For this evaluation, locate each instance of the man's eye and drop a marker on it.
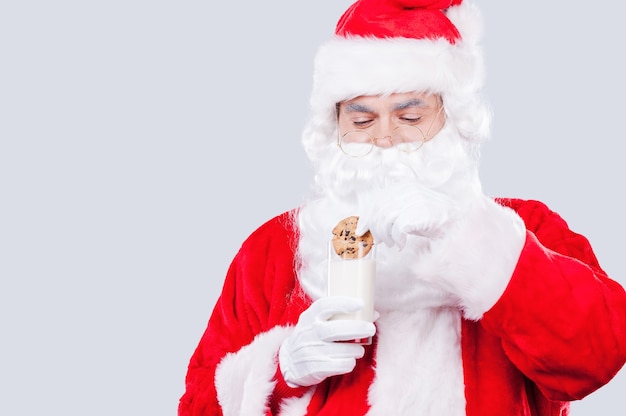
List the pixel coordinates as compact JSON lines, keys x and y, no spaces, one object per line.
{"x":411,"y":120}
{"x":361,"y":123}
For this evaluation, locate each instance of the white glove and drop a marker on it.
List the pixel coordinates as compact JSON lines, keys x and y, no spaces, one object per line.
{"x":476,"y":258}
{"x":310,"y":355}
{"x":403,"y":209}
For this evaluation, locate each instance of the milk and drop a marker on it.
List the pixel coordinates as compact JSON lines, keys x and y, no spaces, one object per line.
{"x":354,"y":278}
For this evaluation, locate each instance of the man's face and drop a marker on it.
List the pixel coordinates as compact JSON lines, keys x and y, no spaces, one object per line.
{"x":379,"y":116}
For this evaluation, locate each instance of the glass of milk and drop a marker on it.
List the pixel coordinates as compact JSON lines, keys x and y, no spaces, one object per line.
{"x":353,"y":277}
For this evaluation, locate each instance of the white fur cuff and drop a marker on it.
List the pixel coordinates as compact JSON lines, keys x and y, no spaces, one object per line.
{"x":244,"y":379}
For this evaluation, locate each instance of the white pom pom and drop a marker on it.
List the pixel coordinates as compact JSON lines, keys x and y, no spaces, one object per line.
{"x":468,"y":20}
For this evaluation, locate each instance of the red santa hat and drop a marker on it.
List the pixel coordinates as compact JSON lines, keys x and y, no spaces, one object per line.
{"x":387,"y":46}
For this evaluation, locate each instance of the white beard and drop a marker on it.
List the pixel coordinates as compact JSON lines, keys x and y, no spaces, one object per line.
{"x":344,"y":185}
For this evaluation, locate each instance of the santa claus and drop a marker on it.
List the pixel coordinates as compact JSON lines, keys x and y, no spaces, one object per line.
{"x":483,"y":306}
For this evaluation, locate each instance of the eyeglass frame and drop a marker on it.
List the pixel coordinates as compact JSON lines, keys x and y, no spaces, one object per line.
{"x":373,"y":140}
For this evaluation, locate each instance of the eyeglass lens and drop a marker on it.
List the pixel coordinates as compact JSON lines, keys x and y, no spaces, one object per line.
{"x":359,"y":143}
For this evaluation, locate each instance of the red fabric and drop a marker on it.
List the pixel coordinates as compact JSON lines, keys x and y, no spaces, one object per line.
{"x":417,"y":19}
{"x":556,"y":334}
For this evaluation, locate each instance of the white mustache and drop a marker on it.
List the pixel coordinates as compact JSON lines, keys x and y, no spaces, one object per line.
{"x":432,"y":166}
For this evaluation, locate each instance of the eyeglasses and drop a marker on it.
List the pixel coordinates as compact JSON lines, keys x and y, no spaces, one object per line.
{"x":359,"y":143}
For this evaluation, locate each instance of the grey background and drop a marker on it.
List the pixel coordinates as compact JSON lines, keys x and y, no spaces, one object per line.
{"x":142,"y":141}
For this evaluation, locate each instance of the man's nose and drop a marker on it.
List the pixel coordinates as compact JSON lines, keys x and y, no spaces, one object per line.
{"x":382,"y":135}
{"x":384,"y":141}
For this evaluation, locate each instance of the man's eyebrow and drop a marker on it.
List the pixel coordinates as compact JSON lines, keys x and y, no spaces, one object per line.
{"x":416,"y":102}
{"x":361,"y":108}
{"x":358,"y":108}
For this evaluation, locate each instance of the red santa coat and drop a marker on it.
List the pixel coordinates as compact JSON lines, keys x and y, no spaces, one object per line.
{"x":557,"y":333}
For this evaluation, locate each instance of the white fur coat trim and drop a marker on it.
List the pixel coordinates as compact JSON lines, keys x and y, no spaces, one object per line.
{"x":419,"y":369}
{"x":244,"y":379}
{"x":296,"y":406}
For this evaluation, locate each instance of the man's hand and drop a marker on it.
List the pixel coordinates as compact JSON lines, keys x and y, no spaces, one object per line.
{"x":403,"y":209}
{"x":310,"y":354}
